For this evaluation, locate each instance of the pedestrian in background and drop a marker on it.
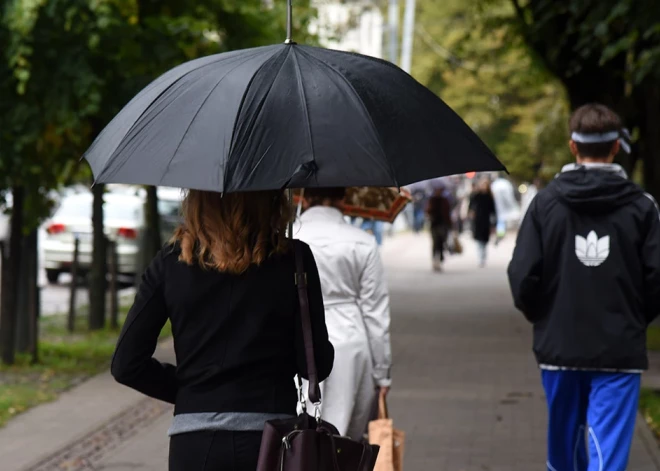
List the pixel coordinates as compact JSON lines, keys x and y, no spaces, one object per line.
{"x":439,"y":213}
{"x":586,"y":273}
{"x":375,"y":228}
{"x":357,"y":310}
{"x":482,"y":214}
{"x":420,"y":194}
{"x":226,"y":285}
{"x":528,"y":196}
{"x":506,"y":206}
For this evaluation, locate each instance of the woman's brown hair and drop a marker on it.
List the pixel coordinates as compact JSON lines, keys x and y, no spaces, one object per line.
{"x":230,"y":232}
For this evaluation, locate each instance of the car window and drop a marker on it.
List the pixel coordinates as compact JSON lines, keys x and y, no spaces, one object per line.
{"x":75,"y":208}
{"x":113,"y":208}
{"x":123,"y":209}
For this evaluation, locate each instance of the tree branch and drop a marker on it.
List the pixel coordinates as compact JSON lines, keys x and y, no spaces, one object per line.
{"x":520,"y":11}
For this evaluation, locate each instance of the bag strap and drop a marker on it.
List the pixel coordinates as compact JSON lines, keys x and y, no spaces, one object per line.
{"x":314,"y":391}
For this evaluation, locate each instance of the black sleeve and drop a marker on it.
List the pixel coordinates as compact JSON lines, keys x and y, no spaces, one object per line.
{"x":324,"y":352}
{"x":132,"y":362}
{"x":651,"y":264}
{"x":526,"y":266}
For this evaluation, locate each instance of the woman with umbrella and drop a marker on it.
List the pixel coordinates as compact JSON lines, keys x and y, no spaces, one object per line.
{"x":243,"y":126}
{"x":357,"y":308}
{"x":225,"y":283}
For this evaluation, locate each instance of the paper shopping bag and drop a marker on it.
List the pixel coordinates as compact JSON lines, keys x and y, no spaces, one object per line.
{"x":390,"y":440}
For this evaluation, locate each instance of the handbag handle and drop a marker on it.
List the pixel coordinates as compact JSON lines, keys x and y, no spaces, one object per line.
{"x":314,"y":391}
{"x":382,"y":407}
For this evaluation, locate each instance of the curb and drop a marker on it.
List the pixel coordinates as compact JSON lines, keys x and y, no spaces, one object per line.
{"x":649,"y":440}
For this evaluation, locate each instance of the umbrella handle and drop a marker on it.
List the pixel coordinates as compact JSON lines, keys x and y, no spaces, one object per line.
{"x":289,"y":22}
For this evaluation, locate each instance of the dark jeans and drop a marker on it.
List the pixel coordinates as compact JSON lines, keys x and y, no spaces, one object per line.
{"x":217,"y":451}
{"x":439,"y":235}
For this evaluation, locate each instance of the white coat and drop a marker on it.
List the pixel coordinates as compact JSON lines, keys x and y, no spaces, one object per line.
{"x":357,"y":310}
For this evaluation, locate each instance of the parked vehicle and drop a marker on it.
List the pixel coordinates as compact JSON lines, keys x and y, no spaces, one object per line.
{"x":169,"y":208}
{"x":123,"y":220}
{"x":169,"y":205}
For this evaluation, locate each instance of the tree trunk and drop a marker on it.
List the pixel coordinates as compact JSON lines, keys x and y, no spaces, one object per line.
{"x":153,"y":223}
{"x":34,"y":302}
{"x":97,"y":276}
{"x":150,"y":241}
{"x":27,"y":279}
{"x":650,"y":139}
{"x":10,"y":275}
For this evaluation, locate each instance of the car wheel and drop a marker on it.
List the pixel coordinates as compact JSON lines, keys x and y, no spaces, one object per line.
{"x":53,"y":276}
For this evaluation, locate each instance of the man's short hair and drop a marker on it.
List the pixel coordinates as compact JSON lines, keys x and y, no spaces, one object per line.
{"x":595,"y":118}
{"x":317,"y":196}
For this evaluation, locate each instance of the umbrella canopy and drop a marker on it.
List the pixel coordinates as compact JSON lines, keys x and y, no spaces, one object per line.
{"x":285,"y":116}
{"x":380,"y":204}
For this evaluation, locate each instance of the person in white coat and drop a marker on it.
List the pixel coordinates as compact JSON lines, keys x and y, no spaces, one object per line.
{"x":357,"y":309}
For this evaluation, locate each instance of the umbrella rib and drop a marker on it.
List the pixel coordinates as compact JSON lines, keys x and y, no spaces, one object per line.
{"x":121,"y":145}
{"x":197,"y":114}
{"x":132,"y":128}
{"x":259,"y":109}
{"x":301,"y":90}
{"x":470,"y":136}
{"x":366,"y":112}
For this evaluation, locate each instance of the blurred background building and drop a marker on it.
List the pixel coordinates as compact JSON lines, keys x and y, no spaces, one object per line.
{"x":355,"y":26}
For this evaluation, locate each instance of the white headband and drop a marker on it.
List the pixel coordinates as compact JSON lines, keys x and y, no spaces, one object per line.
{"x":597,"y":138}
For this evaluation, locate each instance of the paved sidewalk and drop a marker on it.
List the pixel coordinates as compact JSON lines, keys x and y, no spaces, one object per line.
{"x":466,"y":389}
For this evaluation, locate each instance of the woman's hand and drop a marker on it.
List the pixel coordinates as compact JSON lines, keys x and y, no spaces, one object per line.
{"x":384,"y":390}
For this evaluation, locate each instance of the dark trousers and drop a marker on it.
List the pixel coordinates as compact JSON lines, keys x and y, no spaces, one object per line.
{"x":439,"y":235}
{"x":217,"y":451}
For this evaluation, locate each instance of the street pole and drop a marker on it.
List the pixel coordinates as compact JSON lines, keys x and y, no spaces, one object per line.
{"x":408,"y":36}
{"x":393,"y":28}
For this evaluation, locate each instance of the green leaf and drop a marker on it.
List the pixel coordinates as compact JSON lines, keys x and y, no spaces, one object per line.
{"x":622,"y":45}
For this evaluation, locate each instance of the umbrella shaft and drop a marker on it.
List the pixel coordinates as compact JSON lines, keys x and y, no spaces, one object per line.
{"x":289,"y":21}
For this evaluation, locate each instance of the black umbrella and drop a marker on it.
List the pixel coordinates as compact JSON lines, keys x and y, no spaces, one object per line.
{"x":285,"y":116}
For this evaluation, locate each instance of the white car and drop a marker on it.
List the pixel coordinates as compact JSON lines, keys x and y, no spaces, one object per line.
{"x":124,"y":223}
{"x":169,"y":209}
{"x":169,"y":205}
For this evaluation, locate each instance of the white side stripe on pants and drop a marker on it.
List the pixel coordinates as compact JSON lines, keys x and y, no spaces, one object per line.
{"x":600,"y":454}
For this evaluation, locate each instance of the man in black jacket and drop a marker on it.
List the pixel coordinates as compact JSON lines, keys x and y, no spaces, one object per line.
{"x":586,"y":274}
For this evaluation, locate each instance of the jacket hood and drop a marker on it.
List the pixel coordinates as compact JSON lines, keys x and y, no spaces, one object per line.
{"x":594,"y":188}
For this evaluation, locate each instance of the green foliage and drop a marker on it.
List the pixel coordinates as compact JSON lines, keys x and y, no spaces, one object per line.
{"x":67,"y":359}
{"x":68,"y":66}
{"x":653,"y":338}
{"x":607,"y":52}
{"x":471,"y":55}
{"x":649,"y":405}
{"x":624,"y":34}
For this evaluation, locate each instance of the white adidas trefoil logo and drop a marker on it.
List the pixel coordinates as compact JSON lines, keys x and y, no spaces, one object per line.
{"x":592,"y":251}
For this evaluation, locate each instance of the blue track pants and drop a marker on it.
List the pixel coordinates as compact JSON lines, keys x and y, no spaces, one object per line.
{"x":591,"y":419}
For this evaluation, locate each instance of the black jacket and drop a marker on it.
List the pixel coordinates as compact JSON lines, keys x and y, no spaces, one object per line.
{"x":238,"y":338}
{"x":586,"y":270}
{"x":483,"y":206}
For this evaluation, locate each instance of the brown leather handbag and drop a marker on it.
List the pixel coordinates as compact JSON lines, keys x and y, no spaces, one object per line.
{"x":307,"y":443}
